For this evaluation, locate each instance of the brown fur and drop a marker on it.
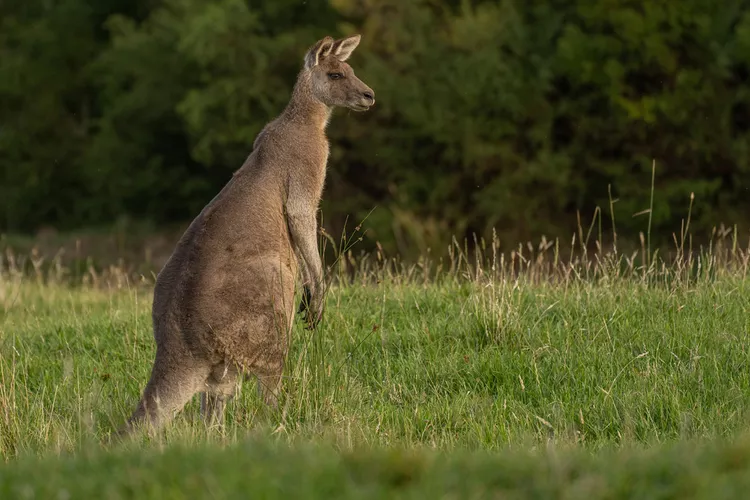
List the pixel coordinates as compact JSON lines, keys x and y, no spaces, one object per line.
{"x":223,"y":303}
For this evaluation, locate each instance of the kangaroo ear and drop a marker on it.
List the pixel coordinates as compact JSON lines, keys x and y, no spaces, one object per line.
{"x":343,"y":48}
{"x":318,"y":51}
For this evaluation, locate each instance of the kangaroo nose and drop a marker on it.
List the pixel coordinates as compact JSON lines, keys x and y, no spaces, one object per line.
{"x":369,"y":96}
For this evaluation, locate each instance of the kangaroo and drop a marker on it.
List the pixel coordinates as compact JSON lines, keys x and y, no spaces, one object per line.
{"x":223,"y":303}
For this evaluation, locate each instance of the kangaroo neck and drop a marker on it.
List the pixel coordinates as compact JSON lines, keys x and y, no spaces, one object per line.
{"x":304,"y":108}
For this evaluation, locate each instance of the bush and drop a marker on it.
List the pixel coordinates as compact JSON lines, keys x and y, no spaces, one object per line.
{"x":505,"y":114}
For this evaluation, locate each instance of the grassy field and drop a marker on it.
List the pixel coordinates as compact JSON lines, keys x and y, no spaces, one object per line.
{"x":260,"y":468}
{"x":594,"y":377}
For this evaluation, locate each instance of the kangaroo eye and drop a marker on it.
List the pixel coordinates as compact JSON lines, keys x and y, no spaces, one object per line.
{"x":335,"y":76}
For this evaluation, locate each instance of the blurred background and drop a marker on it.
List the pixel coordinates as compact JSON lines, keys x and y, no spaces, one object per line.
{"x":121,"y":119}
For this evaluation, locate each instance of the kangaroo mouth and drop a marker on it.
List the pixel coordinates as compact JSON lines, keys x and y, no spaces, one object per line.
{"x":360,"y":107}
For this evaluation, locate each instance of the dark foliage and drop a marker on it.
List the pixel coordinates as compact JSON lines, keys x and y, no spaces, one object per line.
{"x":507,"y":114}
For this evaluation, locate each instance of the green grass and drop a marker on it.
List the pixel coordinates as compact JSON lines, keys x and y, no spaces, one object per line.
{"x":470,"y":365}
{"x":463,"y":374}
{"x":266,"y":469}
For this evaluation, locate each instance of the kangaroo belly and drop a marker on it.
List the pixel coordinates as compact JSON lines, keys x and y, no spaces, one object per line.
{"x":247,"y":317}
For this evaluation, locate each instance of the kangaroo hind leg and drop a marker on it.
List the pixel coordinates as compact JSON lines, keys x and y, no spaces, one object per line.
{"x":170,"y":387}
{"x":220,"y":387}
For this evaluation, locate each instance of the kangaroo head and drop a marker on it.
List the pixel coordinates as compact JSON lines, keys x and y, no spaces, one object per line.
{"x":332,"y":80}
